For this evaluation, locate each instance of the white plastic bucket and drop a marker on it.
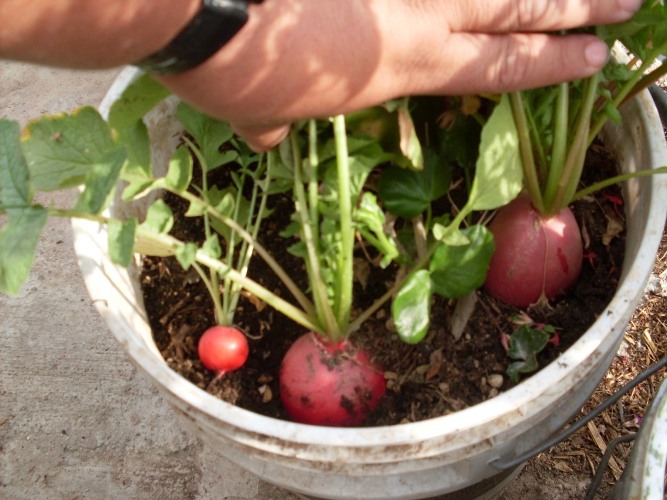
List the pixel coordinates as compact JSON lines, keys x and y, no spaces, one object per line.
{"x":415,"y":460}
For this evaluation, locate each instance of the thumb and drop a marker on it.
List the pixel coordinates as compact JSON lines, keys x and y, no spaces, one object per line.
{"x":262,"y":139}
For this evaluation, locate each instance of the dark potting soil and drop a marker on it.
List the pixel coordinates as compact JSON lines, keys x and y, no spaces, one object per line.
{"x":436,"y":377}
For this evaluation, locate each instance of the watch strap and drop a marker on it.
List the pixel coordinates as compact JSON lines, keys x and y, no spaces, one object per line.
{"x":212,"y":27}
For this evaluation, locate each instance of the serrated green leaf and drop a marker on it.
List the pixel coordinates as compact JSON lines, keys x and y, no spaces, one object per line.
{"x":15,"y":190}
{"x":209,"y":135}
{"x":211,"y":247}
{"x":121,"y":240}
{"x":411,"y":308}
{"x":136,"y":141}
{"x":498,"y":173}
{"x":60,"y":150}
{"x":179,"y":174}
{"x":137,"y":189}
{"x":408,"y":193}
{"x":137,"y":99}
{"x":159,"y":218}
{"x":196,"y":209}
{"x":100,"y":182}
{"x":370,"y":221}
{"x":525,"y":343}
{"x":18,"y":239}
{"x":187,"y":255}
{"x":458,"y":270}
{"x":448,"y":235}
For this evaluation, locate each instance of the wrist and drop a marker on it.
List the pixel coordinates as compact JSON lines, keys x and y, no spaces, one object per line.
{"x":79,"y":34}
{"x":215,"y":24}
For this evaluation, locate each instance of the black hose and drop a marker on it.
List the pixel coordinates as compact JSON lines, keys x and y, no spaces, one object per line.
{"x":608,"y":452}
{"x":564,"y":434}
{"x":660,"y":99}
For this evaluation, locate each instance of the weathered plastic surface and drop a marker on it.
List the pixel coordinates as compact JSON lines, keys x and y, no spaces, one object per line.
{"x":413,"y":460}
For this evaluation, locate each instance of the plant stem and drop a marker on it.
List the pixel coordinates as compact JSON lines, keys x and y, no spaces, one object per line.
{"x":321,"y":297}
{"x":169,"y":242}
{"x":345,"y":272}
{"x":531,"y":178}
{"x":559,"y":149}
{"x":303,"y":301}
{"x":221,"y":308}
{"x":574,"y":164}
{"x":616,"y":180}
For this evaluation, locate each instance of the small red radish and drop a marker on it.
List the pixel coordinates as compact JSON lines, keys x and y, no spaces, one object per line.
{"x":329,"y":384}
{"x":223,"y":349}
{"x":536,"y":257}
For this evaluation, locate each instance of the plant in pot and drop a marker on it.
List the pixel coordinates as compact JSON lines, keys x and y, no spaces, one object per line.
{"x":321,"y":169}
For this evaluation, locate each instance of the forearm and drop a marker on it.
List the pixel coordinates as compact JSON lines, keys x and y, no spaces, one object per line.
{"x":89,"y":33}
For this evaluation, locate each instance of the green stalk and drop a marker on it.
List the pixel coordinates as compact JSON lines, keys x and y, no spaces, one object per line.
{"x":530,"y":175}
{"x":252,"y":227}
{"x":321,"y":297}
{"x":345,"y":272}
{"x":170,"y":243}
{"x":313,"y":184}
{"x":616,"y":180}
{"x":221,"y":310}
{"x":303,"y":301}
{"x":574,"y":163}
{"x":559,"y":150}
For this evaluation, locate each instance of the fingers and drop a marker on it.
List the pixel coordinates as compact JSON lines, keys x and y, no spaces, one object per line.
{"x":503,"y":63}
{"x":262,"y":139}
{"x":533,"y":15}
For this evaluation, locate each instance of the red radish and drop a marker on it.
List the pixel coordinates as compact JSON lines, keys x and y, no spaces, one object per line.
{"x":223,"y":349}
{"x":536,"y":257}
{"x":329,"y":384}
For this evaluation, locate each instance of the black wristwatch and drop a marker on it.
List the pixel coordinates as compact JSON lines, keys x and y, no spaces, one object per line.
{"x":214,"y":25}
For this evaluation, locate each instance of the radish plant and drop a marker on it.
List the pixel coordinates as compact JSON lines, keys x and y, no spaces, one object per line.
{"x":539,"y":248}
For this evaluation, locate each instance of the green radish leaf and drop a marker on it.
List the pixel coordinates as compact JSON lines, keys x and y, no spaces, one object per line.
{"x":458,"y":270}
{"x":126,"y":117}
{"x":138,"y":98}
{"x":498,"y":173}
{"x":370,"y":221}
{"x":411,"y":308}
{"x":121,"y":240}
{"x":159,"y":218}
{"x":15,"y":190}
{"x":60,"y":150}
{"x":525,"y":343}
{"x":209,"y":134}
{"x":211,"y":247}
{"x":18,"y":239}
{"x":408,"y":193}
{"x":100,"y":183}
{"x":179,"y":174}
{"x":137,"y":189}
{"x":136,"y":141}
{"x":186,"y":254}
{"x":196,"y":210}
{"x":449,"y":235}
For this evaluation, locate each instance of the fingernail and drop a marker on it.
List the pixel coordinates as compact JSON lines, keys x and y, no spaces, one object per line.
{"x":630,"y":6}
{"x":596,"y":53}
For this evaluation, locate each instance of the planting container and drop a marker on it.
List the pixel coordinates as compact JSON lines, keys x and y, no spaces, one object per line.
{"x":415,"y":460}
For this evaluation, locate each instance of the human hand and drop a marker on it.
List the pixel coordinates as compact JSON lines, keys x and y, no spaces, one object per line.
{"x":300,"y":59}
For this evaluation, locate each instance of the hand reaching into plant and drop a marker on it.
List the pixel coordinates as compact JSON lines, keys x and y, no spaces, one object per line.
{"x":301,"y":59}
